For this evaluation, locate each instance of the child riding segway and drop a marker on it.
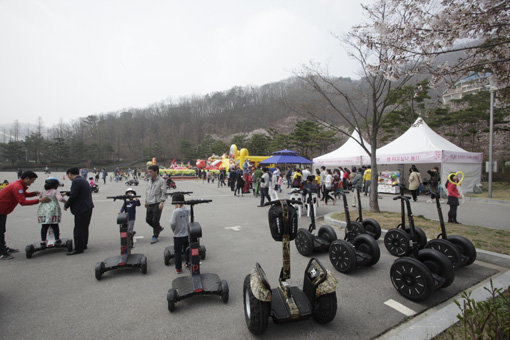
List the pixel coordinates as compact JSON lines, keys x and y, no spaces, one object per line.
{"x":198,"y":283}
{"x":285,"y":303}
{"x":169,"y":252}
{"x":126,"y":259}
{"x":49,"y":215}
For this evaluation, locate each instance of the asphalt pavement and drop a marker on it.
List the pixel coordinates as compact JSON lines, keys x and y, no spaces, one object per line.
{"x":57,"y":296}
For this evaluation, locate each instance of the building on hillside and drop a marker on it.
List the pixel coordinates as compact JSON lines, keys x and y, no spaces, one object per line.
{"x":472,"y":84}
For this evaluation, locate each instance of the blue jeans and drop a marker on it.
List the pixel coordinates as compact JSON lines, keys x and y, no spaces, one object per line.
{"x":264,"y":192}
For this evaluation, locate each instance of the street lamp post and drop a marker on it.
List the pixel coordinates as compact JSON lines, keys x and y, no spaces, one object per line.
{"x":491,"y":123}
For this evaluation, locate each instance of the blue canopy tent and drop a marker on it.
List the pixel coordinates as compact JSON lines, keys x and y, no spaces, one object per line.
{"x":285,"y":157}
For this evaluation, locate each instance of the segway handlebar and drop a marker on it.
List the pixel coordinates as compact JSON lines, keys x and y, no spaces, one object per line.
{"x":278,"y":201}
{"x":401,"y":197}
{"x":122,"y":197}
{"x":178,"y":192}
{"x":67,"y":193}
{"x":192,"y":202}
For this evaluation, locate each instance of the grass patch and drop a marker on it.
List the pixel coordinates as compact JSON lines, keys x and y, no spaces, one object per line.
{"x":494,"y":240}
{"x":500,"y":191}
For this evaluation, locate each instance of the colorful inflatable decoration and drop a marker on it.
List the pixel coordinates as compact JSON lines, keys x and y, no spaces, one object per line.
{"x":460,"y":177}
{"x":238,"y":157}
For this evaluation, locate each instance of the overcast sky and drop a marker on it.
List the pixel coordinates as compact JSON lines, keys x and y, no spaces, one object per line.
{"x":68,"y":59}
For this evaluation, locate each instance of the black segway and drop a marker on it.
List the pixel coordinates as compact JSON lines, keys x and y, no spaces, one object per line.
{"x":126,"y":259}
{"x":51,"y":243}
{"x":132,"y":181}
{"x":306,"y":241}
{"x":398,"y":240}
{"x":357,"y":249}
{"x":169,"y":252}
{"x":197,"y":284}
{"x":285,"y":302}
{"x":371,"y":226}
{"x":416,"y":276}
{"x":457,"y":248}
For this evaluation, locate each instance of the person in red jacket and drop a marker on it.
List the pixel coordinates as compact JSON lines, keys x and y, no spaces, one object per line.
{"x":10,"y":196}
{"x":453,"y":198}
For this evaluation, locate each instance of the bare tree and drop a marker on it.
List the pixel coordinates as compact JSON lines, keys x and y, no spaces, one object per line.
{"x":362,"y":107}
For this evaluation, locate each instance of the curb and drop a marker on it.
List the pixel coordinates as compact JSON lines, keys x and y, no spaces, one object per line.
{"x":439,"y":318}
{"x":486,"y":200}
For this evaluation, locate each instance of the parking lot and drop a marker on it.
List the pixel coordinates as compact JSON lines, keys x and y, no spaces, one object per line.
{"x":57,"y":296}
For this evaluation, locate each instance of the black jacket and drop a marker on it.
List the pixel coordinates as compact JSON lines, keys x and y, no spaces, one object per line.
{"x":80,"y":199}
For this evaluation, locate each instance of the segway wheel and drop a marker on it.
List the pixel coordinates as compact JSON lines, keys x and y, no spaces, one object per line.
{"x":342,"y":255}
{"x":366,"y":244}
{"x":167,"y":255}
{"x":422,"y":237}
{"x":327,"y":233}
{"x":411,"y":278}
{"x":355,"y":230}
{"x":224,"y":291}
{"x":99,"y":270}
{"x":372,"y":228}
{"x":466,"y":249}
{"x":143,"y":265}
{"x":304,"y":242}
{"x":397,"y":242}
{"x":256,"y":312}
{"x":69,"y":245}
{"x":447,"y":248}
{"x":29,"y":251}
{"x":438,"y":264}
{"x":171,"y":298}
{"x":325,"y":307}
{"x":202,"y":251}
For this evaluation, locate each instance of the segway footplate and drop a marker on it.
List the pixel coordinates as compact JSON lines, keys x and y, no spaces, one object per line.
{"x":280,"y":311}
{"x":37,"y":245}
{"x":115,"y":262}
{"x":211,"y":284}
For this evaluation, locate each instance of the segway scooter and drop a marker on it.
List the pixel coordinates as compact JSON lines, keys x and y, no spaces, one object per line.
{"x":131,"y":182}
{"x":357,"y":249}
{"x":169,"y":252}
{"x":51,"y":243}
{"x":371,"y":226}
{"x":457,"y":248}
{"x":306,"y":241}
{"x":126,"y":259}
{"x":416,"y":276}
{"x":397,"y":240}
{"x":285,"y":302}
{"x":197,"y":284}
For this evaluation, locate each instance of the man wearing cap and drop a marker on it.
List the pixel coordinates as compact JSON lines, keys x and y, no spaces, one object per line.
{"x":10,"y":196}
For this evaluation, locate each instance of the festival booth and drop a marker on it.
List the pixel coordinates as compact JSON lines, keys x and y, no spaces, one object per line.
{"x":350,"y":153}
{"x":422,"y":146}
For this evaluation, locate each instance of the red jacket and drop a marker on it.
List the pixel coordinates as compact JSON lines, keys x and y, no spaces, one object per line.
{"x":14,"y":193}
{"x":452,"y":190}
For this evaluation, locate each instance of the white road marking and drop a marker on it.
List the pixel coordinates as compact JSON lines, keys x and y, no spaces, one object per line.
{"x":235,"y":228}
{"x":400,"y":307}
{"x":136,"y":237}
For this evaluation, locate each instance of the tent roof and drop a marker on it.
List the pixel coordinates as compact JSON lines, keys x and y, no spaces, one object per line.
{"x":286,"y":159}
{"x":350,"y":153}
{"x":418,"y":138}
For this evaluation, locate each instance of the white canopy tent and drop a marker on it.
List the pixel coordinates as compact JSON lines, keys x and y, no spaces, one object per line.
{"x":350,"y":153}
{"x":420,"y":144}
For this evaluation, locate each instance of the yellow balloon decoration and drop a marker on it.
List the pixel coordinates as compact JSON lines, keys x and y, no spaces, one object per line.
{"x":460,"y":176}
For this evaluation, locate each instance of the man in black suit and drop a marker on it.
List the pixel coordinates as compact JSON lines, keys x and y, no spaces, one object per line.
{"x":80,"y":202}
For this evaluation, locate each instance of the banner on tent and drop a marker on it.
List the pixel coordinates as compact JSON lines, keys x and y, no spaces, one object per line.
{"x":338,"y":161}
{"x":461,"y":157}
{"x":417,"y":157}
